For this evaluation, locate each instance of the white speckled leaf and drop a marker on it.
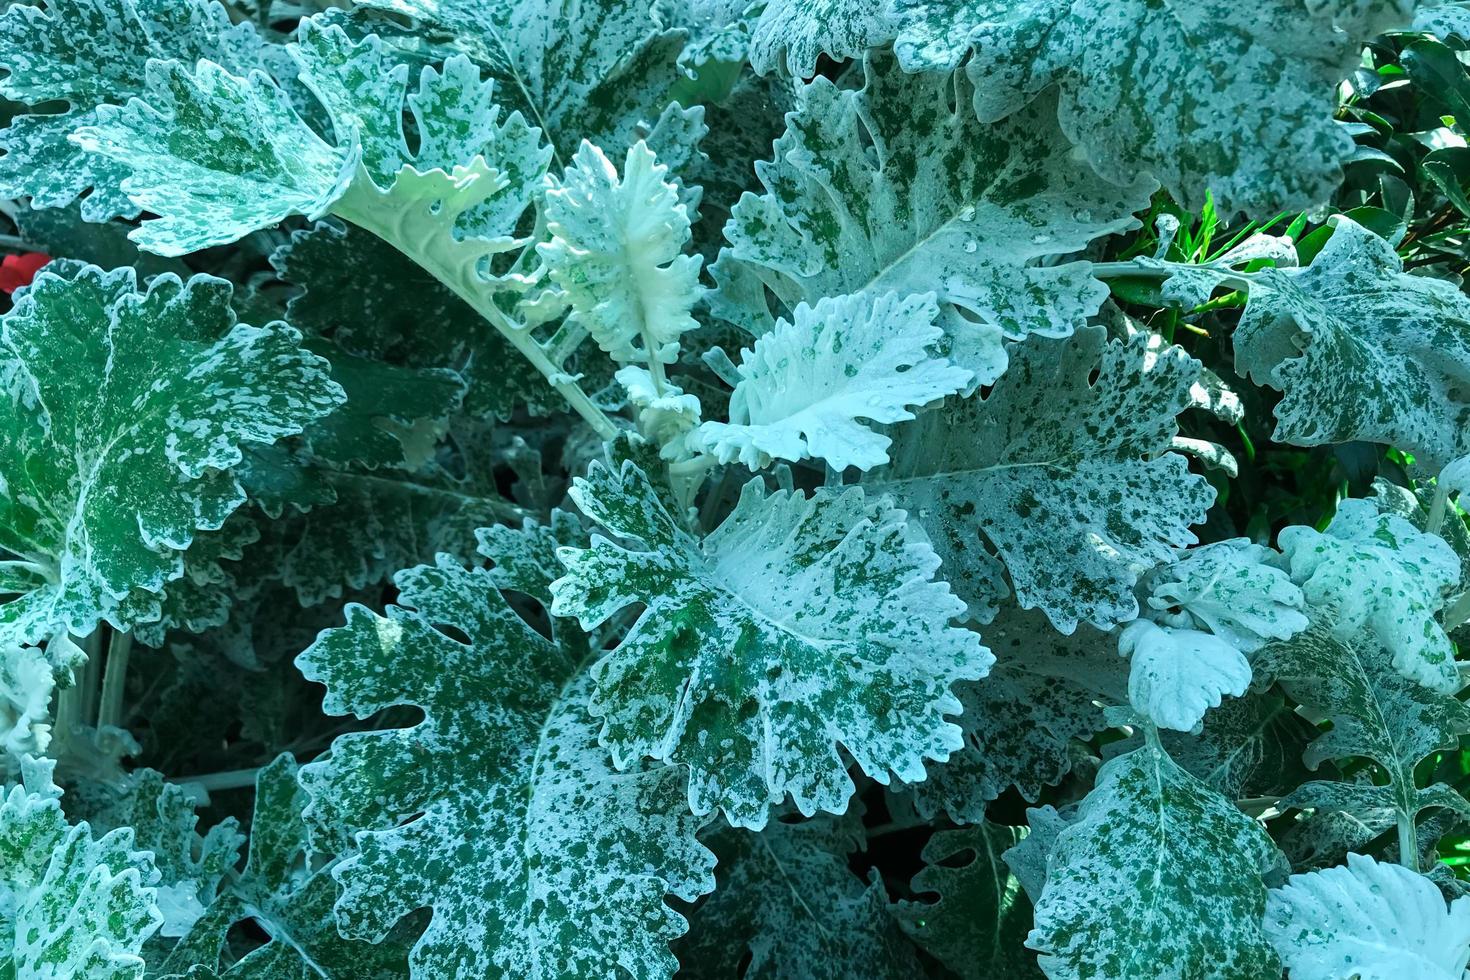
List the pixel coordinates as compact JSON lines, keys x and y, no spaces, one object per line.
{"x":1380,"y":574}
{"x":1068,"y":480}
{"x":287,"y":892}
{"x":787,"y":897}
{"x":1376,"y":712}
{"x":796,"y":626}
{"x":1128,"y":893}
{"x":215,"y":156}
{"x":138,"y":403}
{"x":499,"y":811}
{"x":87,"y":53}
{"x":977,"y":927}
{"x":1369,"y":919}
{"x":898,"y":188}
{"x":1022,"y":723}
{"x":161,"y":817}
{"x":453,"y":115}
{"x":616,"y":251}
{"x":70,"y":905}
{"x":801,"y":30}
{"x":1207,"y":95}
{"x":807,"y":385}
{"x":1361,"y":349}
{"x":1229,"y":589}
{"x":27,"y":680}
{"x":598,"y":70}
{"x":1176,"y":675}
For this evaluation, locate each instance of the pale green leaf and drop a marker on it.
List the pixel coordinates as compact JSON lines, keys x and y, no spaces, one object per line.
{"x":1369,"y":919}
{"x":1206,"y":95}
{"x":499,"y":810}
{"x":1229,"y":589}
{"x":977,"y":927}
{"x":215,"y":156}
{"x":1379,"y":574}
{"x":787,"y":898}
{"x":27,"y":680}
{"x":71,"y":905}
{"x":598,"y":70}
{"x":139,"y":403}
{"x":1176,"y":675}
{"x":807,"y":386}
{"x":454,"y":116}
{"x":1361,"y":349}
{"x":1129,"y":891}
{"x":87,"y":53}
{"x":798,"y":625}
{"x":1024,"y":722}
{"x":801,"y":30}
{"x":616,"y":252}
{"x":897,"y":187}
{"x":1063,"y":480}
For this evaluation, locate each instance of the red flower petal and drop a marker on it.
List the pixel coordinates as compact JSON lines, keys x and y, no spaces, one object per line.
{"x":18,"y":270}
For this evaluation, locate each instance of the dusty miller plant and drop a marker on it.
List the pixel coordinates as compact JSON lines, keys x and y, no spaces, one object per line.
{"x":590,"y":488}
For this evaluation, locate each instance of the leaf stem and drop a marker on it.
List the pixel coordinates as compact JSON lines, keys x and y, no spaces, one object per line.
{"x":1160,"y":269}
{"x":217,"y":781}
{"x":427,"y":237}
{"x":114,"y":679}
{"x":1408,"y":841}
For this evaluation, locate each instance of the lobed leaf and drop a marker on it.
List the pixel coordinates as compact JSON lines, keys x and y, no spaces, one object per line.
{"x":797,"y":625}
{"x":1060,"y":479}
{"x":896,"y":187}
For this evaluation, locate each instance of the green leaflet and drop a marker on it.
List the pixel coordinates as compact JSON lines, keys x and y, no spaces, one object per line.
{"x":1068,"y":481}
{"x":898,"y":188}
{"x":1377,"y":574}
{"x":362,"y":293}
{"x":795,"y":626}
{"x":597,"y":70}
{"x":370,"y":525}
{"x":138,"y":403}
{"x":616,"y":252}
{"x":1127,"y":893}
{"x":1376,"y":713}
{"x":788,"y":897}
{"x":806,"y":385}
{"x":977,"y":927}
{"x":88,"y":53}
{"x":538,"y":859}
{"x":1368,"y":919}
{"x":1023,"y":722}
{"x":289,"y":896}
{"x":1176,"y":88}
{"x":216,"y":156}
{"x":1249,"y":746}
{"x":1361,"y":349}
{"x":394,"y":416}
{"x":804,"y":29}
{"x":71,"y":905}
{"x":211,"y":585}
